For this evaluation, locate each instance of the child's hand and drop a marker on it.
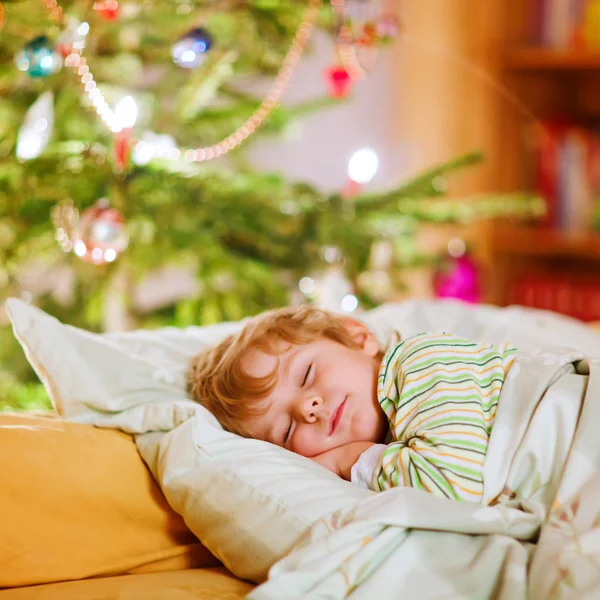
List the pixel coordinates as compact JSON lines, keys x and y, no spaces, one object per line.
{"x":340,"y":460}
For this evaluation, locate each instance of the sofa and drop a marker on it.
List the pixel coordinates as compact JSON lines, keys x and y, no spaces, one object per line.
{"x":82,"y":517}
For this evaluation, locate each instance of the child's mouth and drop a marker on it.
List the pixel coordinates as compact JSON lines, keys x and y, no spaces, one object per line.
{"x":337,"y":415}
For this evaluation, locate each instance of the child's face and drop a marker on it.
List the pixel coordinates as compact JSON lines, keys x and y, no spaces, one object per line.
{"x":325,"y":395}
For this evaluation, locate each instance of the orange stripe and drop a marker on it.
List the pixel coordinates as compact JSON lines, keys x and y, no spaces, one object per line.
{"x":452,"y":483}
{"x":450,"y":350}
{"x":436,"y":453}
{"x":496,"y":388}
{"x":471,"y":460}
{"x":509,"y":364}
{"x":390,"y":387}
{"x":475,"y":435}
{"x":443,"y":412}
{"x":492,"y":392}
{"x":460,"y":368}
{"x":392,"y":460}
{"x":464,"y":489}
{"x":394,"y":376}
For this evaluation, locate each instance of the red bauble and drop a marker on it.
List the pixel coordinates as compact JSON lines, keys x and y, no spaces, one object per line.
{"x":107,"y":9}
{"x":100,"y":235}
{"x":338,"y":82}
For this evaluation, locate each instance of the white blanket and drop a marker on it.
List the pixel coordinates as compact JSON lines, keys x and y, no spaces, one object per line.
{"x":404,"y":541}
{"x":408,"y":542}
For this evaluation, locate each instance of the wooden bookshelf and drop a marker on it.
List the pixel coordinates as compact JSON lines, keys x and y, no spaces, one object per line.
{"x":528,"y":58}
{"x":511,"y":255}
{"x":469,"y":78}
{"x":539,"y":84}
{"x":534,"y":242}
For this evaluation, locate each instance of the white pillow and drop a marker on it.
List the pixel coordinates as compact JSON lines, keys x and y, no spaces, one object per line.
{"x":248,"y":501}
{"x":86,"y":372}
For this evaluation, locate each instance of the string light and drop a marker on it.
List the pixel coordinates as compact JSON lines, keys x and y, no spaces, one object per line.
{"x":363,"y":165}
{"x":76,"y":61}
{"x":125,"y":113}
{"x":349,"y":303}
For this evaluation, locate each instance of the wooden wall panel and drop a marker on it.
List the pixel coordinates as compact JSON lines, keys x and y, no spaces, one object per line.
{"x":449,"y":89}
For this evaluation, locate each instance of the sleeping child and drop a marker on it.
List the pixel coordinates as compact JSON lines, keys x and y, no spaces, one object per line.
{"x":417,"y":414}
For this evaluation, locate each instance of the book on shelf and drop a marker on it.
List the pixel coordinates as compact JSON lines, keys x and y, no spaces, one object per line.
{"x":566,"y":173}
{"x":579,"y":299}
{"x":565,"y":24}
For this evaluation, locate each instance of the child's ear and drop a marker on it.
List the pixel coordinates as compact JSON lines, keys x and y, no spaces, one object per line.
{"x":362,"y":335}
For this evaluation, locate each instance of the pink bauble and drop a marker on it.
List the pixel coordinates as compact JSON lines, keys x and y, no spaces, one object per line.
{"x":459,"y":278}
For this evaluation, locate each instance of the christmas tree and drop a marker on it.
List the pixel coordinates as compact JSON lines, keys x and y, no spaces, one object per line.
{"x":111,"y":117}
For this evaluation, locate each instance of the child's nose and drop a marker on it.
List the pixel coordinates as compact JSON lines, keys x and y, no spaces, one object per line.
{"x":312,"y":408}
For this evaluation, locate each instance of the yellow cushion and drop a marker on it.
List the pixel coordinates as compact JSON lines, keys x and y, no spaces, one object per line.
{"x":76,"y":502}
{"x":191,"y":584}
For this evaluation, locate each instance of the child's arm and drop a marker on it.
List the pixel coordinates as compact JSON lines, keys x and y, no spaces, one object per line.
{"x":340,"y":460}
{"x":440,"y":393}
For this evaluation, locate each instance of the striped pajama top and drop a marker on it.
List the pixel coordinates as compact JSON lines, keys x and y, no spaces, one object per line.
{"x":440,"y":394}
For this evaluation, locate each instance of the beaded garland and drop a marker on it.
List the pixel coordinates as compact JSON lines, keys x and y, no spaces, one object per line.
{"x":76,"y":61}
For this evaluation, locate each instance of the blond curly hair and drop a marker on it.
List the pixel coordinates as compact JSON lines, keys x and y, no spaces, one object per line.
{"x":217,"y":380}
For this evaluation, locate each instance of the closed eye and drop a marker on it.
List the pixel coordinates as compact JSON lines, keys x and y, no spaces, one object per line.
{"x":306,"y":375}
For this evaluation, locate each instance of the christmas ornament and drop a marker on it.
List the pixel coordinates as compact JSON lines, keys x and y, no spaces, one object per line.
{"x":73,"y":37}
{"x":338,"y":82}
{"x":107,"y":9}
{"x":36,"y":129}
{"x":330,"y":288}
{"x":100,"y":235}
{"x":377,"y":281}
{"x":368,"y":35}
{"x":2,"y":16}
{"x":387,"y":28}
{"x":190,"y":50}
{"x":38,"y":58}
{"x":360,"y":33}
{"x":458,"y":276}
{"x":336,"y":291}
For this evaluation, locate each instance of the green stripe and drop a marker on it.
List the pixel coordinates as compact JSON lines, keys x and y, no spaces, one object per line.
{"x":422,"y":465}
{"x":466,"y":444}
{"x":471,"y":399}
{"x":473,"y":474}
{"x":452,"y":359}
{"x":408,"y":396}
{"x":465,"y":420}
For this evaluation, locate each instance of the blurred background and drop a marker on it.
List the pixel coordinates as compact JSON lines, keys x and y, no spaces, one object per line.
{"x":183,"y":162}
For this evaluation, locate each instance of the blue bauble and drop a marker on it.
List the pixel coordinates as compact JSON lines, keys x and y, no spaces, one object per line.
{"x":190,"y":50}
{"x":38,"y":58}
